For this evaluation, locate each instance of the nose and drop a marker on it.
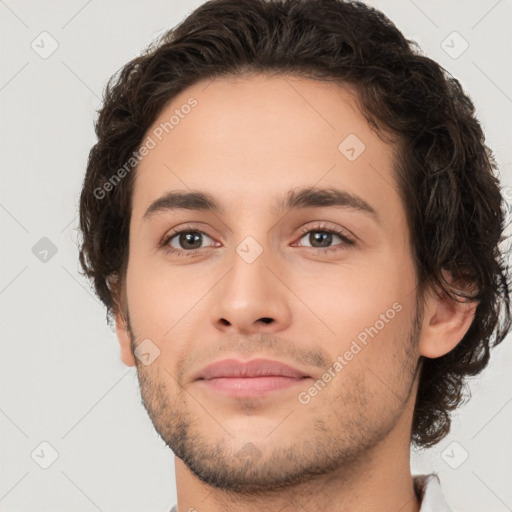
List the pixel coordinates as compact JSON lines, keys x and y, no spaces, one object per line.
{"x":252,"y":296}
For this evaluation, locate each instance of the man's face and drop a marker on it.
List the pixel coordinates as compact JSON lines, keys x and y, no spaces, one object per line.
{"x":267,"y":283}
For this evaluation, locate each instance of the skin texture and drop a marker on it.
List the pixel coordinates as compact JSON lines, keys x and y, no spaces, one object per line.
{"x":249,"y":141}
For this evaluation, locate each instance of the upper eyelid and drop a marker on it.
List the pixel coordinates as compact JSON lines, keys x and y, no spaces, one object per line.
{"x":322,"y":226}
{"x":319,"y":227}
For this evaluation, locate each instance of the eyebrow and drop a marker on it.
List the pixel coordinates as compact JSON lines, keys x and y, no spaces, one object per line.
{"x":308,"y":197}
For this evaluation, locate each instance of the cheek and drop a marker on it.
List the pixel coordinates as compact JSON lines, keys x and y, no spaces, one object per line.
{"x":165,"y":298}
{"x":368,"y":308}
{"x":157,"y":298}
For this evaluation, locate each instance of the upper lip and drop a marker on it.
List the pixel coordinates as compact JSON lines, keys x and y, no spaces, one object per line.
{"x":252,"y":368}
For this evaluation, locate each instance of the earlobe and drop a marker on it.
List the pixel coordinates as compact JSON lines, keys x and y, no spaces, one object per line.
{"x":445,"y":323}
{"x":122,"y":331}
{"x":123,"y":337}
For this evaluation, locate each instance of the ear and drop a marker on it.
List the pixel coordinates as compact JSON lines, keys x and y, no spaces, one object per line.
{"x":123,"y":336}
{"x":122,"y":331}
{"x":445,"y":322}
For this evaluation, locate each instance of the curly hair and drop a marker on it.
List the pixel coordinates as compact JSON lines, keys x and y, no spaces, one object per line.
{"x":445,"y":173}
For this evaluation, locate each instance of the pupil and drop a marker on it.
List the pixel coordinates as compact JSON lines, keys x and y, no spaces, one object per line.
{"x":322,"y":237}
{"x":187,"y":239}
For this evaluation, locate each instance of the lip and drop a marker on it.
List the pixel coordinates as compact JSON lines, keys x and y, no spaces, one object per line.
{"x":230,"y":368}
{"x":250,"y":378}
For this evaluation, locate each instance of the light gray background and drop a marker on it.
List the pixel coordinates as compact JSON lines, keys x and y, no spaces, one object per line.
{"x":62,"y":380}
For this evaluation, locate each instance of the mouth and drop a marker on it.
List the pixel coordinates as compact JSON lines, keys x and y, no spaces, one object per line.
{"x":254,"y":378}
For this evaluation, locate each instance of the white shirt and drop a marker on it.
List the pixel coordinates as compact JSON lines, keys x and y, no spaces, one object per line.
{"x":428,"y":489}
{"x":431,"y":497}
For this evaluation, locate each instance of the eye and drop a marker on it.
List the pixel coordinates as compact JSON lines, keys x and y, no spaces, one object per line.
{"x":185,"y":242}
{"x":321,"y":239}
{"x":189,"y":240}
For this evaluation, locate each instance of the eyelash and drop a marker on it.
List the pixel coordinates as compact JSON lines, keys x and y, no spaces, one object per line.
{"x":347,"y":241}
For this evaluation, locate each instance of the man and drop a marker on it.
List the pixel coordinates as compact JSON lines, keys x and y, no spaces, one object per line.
{"x":343,"y":275}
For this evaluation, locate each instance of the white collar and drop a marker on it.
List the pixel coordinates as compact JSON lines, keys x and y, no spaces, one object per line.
{"x":430,"y":494}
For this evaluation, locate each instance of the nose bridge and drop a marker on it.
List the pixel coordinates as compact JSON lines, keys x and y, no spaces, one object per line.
{"x":249,"y":275}
{"x":252,"y":243}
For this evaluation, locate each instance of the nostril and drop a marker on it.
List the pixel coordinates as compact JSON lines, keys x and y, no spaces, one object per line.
{"x":266,"y":319}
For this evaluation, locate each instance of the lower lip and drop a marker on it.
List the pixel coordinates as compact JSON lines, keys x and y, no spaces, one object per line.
{"x":251,"y":386}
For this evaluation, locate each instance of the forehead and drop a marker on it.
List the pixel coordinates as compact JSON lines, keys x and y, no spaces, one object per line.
{"x":240,"y":137}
